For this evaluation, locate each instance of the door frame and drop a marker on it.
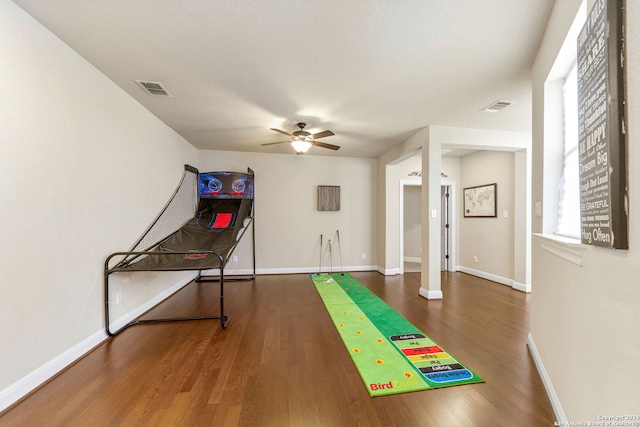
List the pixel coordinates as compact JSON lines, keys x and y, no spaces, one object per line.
{"x":452,"y":222}
{"x":453,"y":215}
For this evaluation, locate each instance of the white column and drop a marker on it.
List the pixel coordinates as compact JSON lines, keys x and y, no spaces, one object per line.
{"x":430,"y":286}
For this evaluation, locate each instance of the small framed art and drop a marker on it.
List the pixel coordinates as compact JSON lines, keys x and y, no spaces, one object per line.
{"x":328,"y":197}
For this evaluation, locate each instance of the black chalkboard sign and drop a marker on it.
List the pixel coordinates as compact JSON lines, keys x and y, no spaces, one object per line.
{"x":601,"y":127}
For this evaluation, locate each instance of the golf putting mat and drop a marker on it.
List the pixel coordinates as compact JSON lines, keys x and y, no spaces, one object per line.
{"x":391,"y":355}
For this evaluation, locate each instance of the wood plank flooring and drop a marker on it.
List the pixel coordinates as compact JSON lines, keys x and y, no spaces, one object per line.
{"x":281,"y":363}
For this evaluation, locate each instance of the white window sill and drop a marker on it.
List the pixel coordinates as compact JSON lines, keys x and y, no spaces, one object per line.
{"x":564,"y":247}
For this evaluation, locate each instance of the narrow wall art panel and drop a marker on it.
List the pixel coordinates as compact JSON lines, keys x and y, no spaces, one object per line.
{"x":602,"y":131}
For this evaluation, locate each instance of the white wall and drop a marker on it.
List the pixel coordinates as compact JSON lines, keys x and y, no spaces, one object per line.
{"x":288,"y":224}
{"x":451,"y":168}
{"x":585,"y":322}
{"x":491,"y":240}
{"x":83,"y":170}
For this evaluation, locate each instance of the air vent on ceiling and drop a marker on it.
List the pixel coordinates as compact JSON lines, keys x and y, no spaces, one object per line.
{"x":496,"y":106}
{"x":153,"y":88}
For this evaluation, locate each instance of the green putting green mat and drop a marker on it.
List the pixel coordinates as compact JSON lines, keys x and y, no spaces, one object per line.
{"x":391,"y":355}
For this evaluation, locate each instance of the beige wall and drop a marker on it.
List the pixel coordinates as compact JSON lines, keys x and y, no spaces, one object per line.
{"x":79,"y":179}
{"x":412,"y":208}
{"x":288,"y":224}
{"x":85,"y":169}
{"x":585,"y":322}
{"x":451,"y":168}
{"x":491,"y":240}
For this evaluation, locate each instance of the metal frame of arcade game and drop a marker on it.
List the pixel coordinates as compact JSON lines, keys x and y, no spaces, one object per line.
{"x":198,"y":229}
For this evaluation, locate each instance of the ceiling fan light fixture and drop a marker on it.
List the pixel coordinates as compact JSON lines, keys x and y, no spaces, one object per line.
{"x":301,"y":140}
{"x":300,"y":145}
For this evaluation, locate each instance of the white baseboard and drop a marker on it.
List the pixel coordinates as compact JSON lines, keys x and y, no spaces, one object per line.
{"x":522,"y":287}
{"x":388,"y":271}
{"x":39,"y":376}
{"x":229,"y":272}
{"x":430,"y":294}
{"x":495,"y":278}
{"x":561,"y":418}
{"x":296,"y":270}
{"x":34,"y":379}
{"x":412,"y":259}
{"x":308,"y":270}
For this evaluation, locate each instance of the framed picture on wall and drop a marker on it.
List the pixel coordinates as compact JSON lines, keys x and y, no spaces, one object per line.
{"x":481,"y":201}
{"x":328,"y":197}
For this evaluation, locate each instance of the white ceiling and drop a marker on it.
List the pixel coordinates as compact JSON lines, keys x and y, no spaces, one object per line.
{"x":372,"y":71}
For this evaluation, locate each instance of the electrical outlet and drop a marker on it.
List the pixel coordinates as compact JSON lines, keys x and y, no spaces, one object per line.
{"x":119,"y":298}
{"x":475,"y":259}
{"x":235,"y":258}
{"x":364,"y":256}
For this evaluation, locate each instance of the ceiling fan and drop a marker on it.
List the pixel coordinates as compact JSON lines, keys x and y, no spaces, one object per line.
{"x":301,"y":140}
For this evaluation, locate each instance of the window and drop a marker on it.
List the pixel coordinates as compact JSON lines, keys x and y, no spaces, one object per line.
{"x":569,"y":204}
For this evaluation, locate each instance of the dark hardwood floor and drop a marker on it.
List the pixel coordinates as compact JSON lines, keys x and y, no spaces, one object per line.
{"x":281,"y":363}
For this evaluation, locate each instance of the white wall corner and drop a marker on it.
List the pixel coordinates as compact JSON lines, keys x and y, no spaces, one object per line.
{"x":430,"y":294}
{"x":561,"y":418}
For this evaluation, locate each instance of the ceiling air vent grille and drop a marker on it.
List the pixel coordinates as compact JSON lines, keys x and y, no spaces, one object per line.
{"x":496,"y":106}
{"x":153,"y":88}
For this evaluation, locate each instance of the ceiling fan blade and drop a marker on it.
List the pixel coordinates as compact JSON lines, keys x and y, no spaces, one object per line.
{"x":273,"y":143}
{"x":281,"y":131}
{"x":325,"y":145}
{"x":322,"y":134}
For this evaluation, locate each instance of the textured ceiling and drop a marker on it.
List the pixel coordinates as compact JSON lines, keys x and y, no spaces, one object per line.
{"x":372,"y":71}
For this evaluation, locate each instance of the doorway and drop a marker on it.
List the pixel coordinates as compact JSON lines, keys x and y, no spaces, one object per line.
{"x":410,"y":226}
